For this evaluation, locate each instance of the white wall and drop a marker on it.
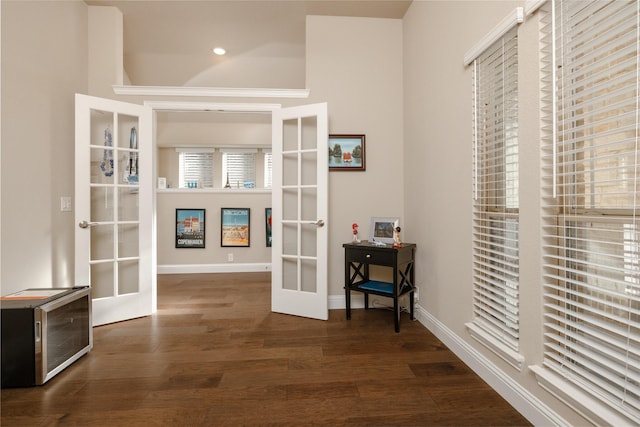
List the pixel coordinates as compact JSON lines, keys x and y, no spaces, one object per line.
{"x":210,"y":129}
{"x":44,"y":62}
{"x":355,"y":64}
{"x":106,"y":47}
{"x":213,"y":254}
{"x":438,"y":180}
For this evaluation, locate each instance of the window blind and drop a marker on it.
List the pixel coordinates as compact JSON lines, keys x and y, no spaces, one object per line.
{"x":496,"y":199}
{"x":239,"y":167}
{"x":196,"y":166}
{"x":591,"y":183}
{"x":268,"y":168}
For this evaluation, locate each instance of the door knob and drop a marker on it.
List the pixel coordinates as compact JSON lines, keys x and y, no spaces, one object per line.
{"x":319,"y":223}
{"x":86,"y":224}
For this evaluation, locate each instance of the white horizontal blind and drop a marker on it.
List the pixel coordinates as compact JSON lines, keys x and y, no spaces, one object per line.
{"x":196,"y":166}
{"x":496,"y":204}
{"x":268,"y":168}
{"x":590,"y":198}
{"x":239,"y":167}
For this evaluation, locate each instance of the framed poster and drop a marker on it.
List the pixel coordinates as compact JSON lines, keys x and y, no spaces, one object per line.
{"x":346,"y":153}
{"x":267,"y":225}
{"x":235,"y":227}
{"x":190,"y":228}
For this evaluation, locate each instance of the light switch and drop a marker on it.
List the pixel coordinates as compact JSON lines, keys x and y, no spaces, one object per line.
{"x":65,"y":204}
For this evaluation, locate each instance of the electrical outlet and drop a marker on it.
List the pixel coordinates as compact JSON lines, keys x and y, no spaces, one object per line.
{"x":416,"y":295}
{"x":230,"y":257}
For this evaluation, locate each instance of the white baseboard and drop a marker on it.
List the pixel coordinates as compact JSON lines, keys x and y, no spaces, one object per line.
{"x":532,"y":408}
{"x":337,"y":302}
{"x":213,"y":268}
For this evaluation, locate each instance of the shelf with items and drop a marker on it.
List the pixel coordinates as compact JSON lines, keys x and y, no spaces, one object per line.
{"x":213,"y":190}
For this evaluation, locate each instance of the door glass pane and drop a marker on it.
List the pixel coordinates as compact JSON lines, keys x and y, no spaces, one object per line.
{"x":290,"y":135}
{"x":102,"y":167}
{"x":309,"y":168}
{"x":290,"y":204}
{"x":101,"y":204}
{"x":127,"y":277}
{"x":309,"y":133}
{"x":127,"y":142}
{"x":125,"y":137}
{"x":102,"y":280}
{"x":308,"y":273}
{"x":289,"y":239}
{"x":308,"y":239}
{"x":289,"y":274}
{"x":309,"y":203}
{"x":127,"y":204}
{"x":101,"y":242}
{"x":128,"y":167}
{"x":127,"y":240}
{"x":290,"y":169}
{"x":102,"y":142}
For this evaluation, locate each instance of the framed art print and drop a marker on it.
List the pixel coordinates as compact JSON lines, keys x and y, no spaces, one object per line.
{"x":235,"y":228}
{"x":190,"y":228}
{"x":267,"y":225}
{"x":346,"y":153}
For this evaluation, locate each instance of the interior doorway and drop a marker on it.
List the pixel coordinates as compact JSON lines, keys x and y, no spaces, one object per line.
{"x":299,"y":197}
{"x":217,"y":128}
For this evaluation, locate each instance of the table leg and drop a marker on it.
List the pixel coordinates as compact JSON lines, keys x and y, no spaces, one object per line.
{"x":396,"y":312}
{"x":347,"y":288}
{"x":347,"y":298}
{"x":411,"y":303}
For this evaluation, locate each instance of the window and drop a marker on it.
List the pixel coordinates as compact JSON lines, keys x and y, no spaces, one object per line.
{"x":248,"y":167}
{"x":195,"y":166}
{"x":496,"y":198}
{"x":239,"y":167}
{"x":591,"y":195}
{"x":268,"y":168}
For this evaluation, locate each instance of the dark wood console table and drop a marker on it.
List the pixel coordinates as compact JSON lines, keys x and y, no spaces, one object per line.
{"x":358,"y":257}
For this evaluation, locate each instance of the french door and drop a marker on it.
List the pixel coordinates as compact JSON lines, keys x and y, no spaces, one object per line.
{"x":114,"y":241}
{"x":300,"y":210}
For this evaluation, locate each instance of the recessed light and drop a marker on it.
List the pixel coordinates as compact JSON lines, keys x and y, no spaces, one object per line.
{"x":219,"y":51}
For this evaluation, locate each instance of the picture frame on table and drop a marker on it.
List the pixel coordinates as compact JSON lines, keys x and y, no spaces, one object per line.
{"x":235,"y":229}
{"x":347,"y":152}
{"x":381,"y":229}
{"x":190,"y":228}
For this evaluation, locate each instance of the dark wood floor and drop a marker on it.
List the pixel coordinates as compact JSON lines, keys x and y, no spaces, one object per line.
{"x":214,"y":355}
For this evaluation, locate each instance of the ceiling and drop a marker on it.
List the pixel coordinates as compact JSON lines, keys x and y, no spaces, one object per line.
{"x":169,"y":43}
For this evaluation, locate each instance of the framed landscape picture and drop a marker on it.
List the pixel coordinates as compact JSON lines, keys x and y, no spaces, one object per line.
{"x":235,"y":228}
{"x":190,"y":228}
{"x":346,"y":153}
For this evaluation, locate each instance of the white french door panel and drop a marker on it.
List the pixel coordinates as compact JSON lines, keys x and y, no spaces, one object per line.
{"x":114,"y":240}
{"x":300,"y":211}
